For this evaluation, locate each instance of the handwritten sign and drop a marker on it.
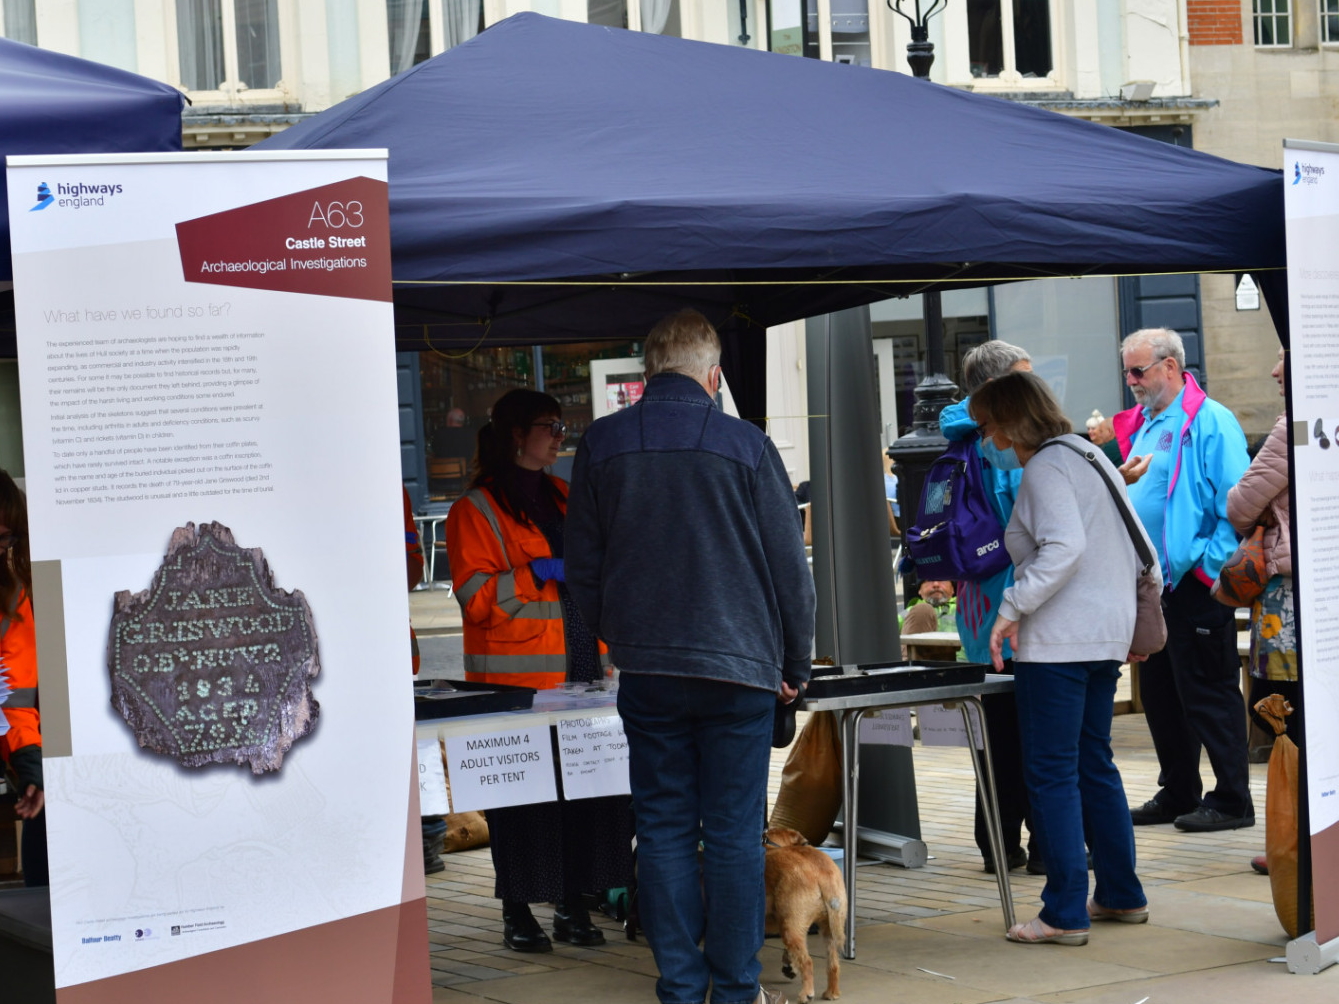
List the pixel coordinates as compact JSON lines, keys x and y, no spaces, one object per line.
{"x":890,"y":727}
{"x":941,"y":726}
{"x":432,"y":797}
{"x":490,"y":770}
{"x":594,"y":757}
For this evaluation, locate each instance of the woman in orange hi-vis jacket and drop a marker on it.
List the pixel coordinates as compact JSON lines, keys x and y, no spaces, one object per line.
{"x":504,"y":538}
{"x":21,"y":746}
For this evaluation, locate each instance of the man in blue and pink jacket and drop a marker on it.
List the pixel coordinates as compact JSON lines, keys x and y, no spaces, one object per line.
{"x":1190,"y":689}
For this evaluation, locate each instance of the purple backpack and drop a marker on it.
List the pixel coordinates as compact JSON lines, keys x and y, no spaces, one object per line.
{"x":956,"y":534}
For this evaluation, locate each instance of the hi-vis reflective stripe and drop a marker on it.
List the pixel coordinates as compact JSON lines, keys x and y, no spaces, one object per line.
{"x":476,"y":582}
{"x":491,"y":664}
{"x":507,"y":601}
{"x":24,"y":697}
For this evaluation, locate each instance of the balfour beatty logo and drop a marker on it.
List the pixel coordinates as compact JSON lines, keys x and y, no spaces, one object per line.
{"x":75,"y":196}
{"x":1307,"y":174}
{"x":987,"y":548}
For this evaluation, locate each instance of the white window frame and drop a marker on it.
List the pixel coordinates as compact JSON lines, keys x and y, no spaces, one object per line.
{"x":1285,"y":17}
{"x":1009,"y":79}
{"x":232,"y":92}
{"x":1323,"y":15}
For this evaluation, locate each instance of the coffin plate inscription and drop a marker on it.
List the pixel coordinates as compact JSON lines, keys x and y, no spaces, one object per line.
{"x":212,"y":663}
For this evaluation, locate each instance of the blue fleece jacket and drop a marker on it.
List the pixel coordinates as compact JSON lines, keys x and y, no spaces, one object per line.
{"x":1210,"y":458}
{"x":979,"y":602}
{"x":681,"y":546}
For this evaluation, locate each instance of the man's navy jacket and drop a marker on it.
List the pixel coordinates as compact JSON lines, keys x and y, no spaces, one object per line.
{"x":682,"y":549}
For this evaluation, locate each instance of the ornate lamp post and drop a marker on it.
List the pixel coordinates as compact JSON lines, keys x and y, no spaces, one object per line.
{"x":914,"y":452}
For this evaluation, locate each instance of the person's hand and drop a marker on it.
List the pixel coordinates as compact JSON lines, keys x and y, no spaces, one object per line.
{"x":31,"y":803}
{"x":788,"y":693}
{"x":1135,"y":468}
{"x":1136,"y":657}
{"x":549,"y":569}
{"x":1003,"y":630}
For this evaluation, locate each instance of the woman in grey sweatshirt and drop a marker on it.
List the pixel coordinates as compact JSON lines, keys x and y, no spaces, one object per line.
{"x":1069,"y":616}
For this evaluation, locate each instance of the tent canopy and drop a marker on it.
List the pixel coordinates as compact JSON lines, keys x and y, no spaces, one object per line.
{"x":53,"y":103}
{"x":650,"y":172}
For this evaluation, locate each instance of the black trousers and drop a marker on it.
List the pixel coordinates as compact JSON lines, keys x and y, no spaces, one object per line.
{"x":1006,"y":754}
{"x":1192,"y":698}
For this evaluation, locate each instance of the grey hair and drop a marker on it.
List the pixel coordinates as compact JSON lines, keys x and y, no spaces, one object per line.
{"x":990,"y":361}
{"x":1165,"y":343}
{"x":685,"y":343}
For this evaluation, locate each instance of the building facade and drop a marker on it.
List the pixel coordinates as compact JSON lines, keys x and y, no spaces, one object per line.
{"x":1190,"y":72}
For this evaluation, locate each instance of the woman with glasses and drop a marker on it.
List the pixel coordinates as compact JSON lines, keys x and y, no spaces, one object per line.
{"x":1069,"y":616}
{"x":504,"y":538}
{"x":21,"y":746}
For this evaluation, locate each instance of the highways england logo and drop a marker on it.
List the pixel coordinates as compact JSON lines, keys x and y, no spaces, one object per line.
{"x":74,"y":196}
{"x":1307,"y":174}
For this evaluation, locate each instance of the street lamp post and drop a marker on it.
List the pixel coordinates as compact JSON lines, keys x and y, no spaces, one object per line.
{"x":917,"y":450}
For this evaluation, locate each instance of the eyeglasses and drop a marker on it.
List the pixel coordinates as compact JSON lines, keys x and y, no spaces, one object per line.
{"x":8,"y":540}
{"x":1138,"y":371}
{"x":556,"y":429}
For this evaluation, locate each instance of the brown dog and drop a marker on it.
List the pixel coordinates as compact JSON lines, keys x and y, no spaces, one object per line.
{"x":804,"y":886}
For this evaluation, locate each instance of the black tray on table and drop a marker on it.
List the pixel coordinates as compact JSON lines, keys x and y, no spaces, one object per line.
{"x":889,"y":677}
{"x":459,"y":697}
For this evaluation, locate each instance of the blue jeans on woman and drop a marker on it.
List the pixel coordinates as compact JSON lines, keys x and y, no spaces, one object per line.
{"x":1074,"y":788}
{"x":698,"y":754}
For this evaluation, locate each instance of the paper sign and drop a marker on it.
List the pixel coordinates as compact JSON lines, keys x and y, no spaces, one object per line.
{"x":494,"y":769}
{"x":941,"y":726}
{"x":432,"y":798}
{"x":890,"y":727}
{"x":594,"y":756}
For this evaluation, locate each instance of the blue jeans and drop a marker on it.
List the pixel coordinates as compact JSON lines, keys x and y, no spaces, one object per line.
{"x":1064,"y":720}
{"x":698,"y":754}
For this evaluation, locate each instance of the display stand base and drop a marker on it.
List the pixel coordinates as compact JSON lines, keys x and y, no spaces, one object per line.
{"x":1307,"y":957}
{"x":905,"y":851}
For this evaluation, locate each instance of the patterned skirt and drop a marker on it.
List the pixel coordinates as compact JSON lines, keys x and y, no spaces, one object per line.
{"x":1274,"y":632}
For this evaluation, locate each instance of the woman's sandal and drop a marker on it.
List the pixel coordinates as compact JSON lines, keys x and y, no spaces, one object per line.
{"x":1134,"y":915}
{"x":1038,"y":932}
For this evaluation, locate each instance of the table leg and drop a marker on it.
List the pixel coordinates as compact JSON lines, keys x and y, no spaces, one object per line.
{"x":990,"y":801}
{"x":849,"y":725}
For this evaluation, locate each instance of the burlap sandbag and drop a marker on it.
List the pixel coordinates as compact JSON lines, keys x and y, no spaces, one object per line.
{"x":811,"y":781}
{"x":463,"y":829}
{"x":1281,"y":792}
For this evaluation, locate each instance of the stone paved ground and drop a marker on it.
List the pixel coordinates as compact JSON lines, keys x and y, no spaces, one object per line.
{"x":934,"y":935}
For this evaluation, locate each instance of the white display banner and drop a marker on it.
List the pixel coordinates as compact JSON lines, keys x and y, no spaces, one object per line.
{"x":890,"y":727}
{"x":490,"y":770}
{"x":942,"y":726}
{"x":208,"y":339}
{"x":432,"y":797}
{"x":594,"y":757}
{"x":1311,"y":203}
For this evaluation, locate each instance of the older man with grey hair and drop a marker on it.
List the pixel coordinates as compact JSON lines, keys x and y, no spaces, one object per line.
{"x":684,"y":555}
{"x":1190,"y":689}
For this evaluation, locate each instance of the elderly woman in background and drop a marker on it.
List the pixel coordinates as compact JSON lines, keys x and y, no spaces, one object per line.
{"x":977,"y":604}
{"x":1261,"y":498}
{"x":1070,"y":622}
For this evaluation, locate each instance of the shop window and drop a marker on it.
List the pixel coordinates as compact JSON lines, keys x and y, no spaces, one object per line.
{"x":610,"y":13}
{"x":1329,"y":21}
{"x":459,"y":392}
{"x":228,"y":43}
{"x":789,"y":30}
{"x":20,"y":20}
{"x":1009,"y":37}
{"x":1273,"y":22}
{"x":850,"y":32}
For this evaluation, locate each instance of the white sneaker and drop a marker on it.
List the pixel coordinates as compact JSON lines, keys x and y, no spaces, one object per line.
{"x":771,"y":997}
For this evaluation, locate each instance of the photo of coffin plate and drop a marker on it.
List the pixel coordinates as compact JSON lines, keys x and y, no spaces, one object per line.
{"x":212,"y":663}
